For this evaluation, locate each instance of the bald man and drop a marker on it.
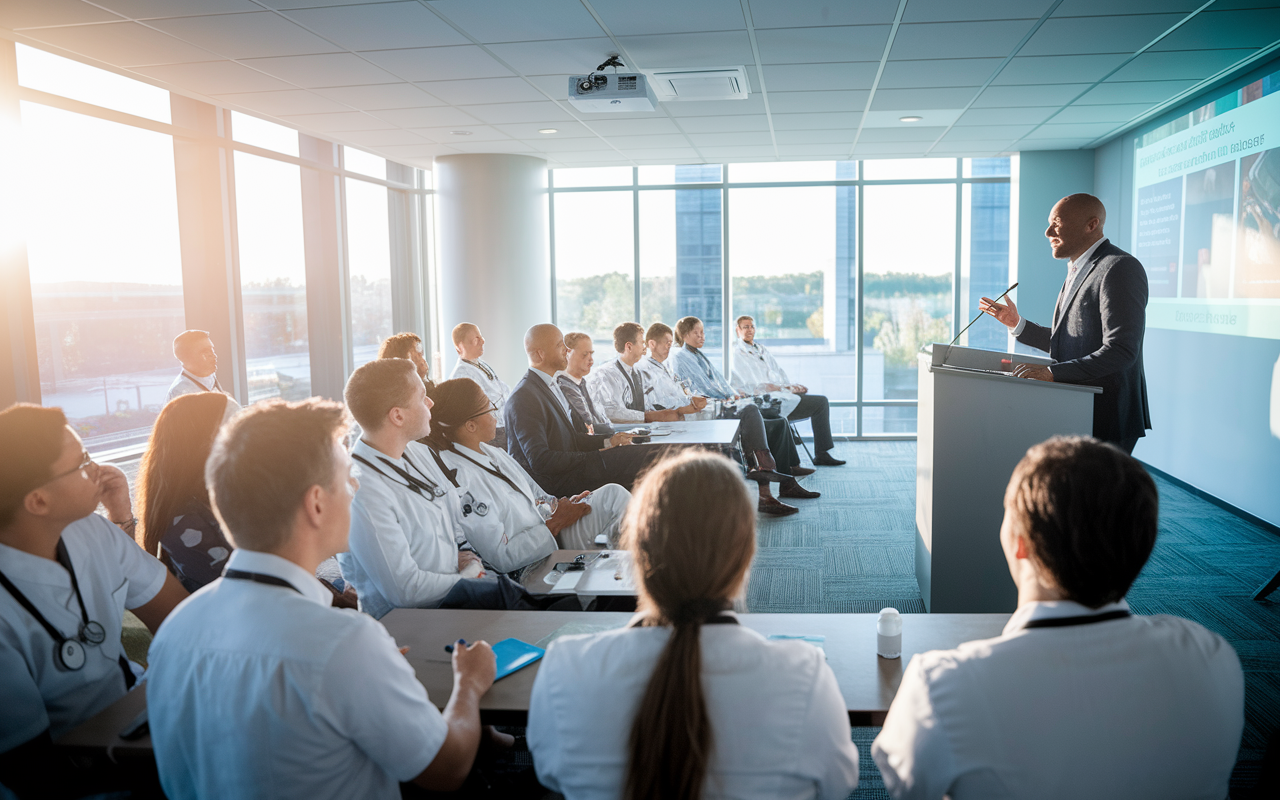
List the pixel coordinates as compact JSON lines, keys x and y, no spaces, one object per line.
{"x":542,"y":435}
{"x":1098,"y":322}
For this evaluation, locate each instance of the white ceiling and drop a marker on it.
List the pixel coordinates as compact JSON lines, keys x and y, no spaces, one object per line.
{"x":830,"y":78}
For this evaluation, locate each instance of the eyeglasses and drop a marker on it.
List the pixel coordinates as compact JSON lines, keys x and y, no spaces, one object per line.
{"x":85,"y":461}
{"x":492,"y":410}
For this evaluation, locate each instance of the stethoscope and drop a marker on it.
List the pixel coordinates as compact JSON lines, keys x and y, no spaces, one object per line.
{"x":423,"y":487}
{"x":69,"y":654}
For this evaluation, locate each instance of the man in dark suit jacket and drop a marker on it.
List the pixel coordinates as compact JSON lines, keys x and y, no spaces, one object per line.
{"x":1098,"y":322}
{"x":544,"y":437}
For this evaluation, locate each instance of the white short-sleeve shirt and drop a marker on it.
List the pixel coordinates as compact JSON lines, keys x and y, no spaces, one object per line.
{"x":780,"y":728}
{"x":113,"y":573}
{"x":261,"y":691}
{"x":1132,"y":707}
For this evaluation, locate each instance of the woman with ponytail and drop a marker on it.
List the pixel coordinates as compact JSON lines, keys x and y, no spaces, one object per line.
{"x":685,"y":703}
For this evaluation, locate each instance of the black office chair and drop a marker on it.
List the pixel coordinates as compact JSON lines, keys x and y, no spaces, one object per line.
{"x":795,"y":434}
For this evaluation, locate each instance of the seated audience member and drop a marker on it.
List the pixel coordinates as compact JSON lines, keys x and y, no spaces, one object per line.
{"x":756,"y":372}
{"x":408,"y":345}
{"x":623,"y":391}
{"x":194,"y":349}
{"x":573,"y":382}
{"x":507,"y":517}
{"x":1078,"y":697}
{"x":668,"y":391}
{"x":406,"y":521}
{"x":66,"y":577}
{"x":257,"y":687}
{"x":470,"y":346}
{"x":175,"y":518}
{"x":544,"y":438}
{"x":698,"y":704}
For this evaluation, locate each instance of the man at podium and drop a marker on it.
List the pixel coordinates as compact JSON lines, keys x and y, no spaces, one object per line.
{"x":1098,"y":322}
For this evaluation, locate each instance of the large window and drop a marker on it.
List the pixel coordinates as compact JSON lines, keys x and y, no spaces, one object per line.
{"x":847,"y":267}
{"x":369,"y":274}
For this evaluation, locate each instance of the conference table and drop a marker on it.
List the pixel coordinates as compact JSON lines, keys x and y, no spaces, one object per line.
{"x":867,"y":682}
{"x":689,"y":432}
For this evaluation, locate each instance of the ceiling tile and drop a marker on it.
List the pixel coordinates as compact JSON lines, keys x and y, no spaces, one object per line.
{"x":938,"y":72}
{"x":332,"y":69}
{"x":16,"y":16}
{"x":438,"y":63}
{"x":426,"y":117}
{"x":958,"y":39}
{"x":591,"y":159}
{"x":904,"y":133}
{"x":820,"y":13}
{"x":974,"y":149}
{"x":475,"y":133}
{"x":279,"y":104}
{"x":383,"y":137}
{"x":520,"y":21}
{"x":909,"y":149}
{"x":631,"y":127}
{"x":565,"y":129}
{"x":145,"y":9}
{"x":215,"y":77}
{"x":976,"y":133}
{"x":544,"y":111}
{"x":593,"y":145}
{"x":336,"y":122}
{"x":892,"y":119}
{"x":555,"y":57}
{"x":1050,"y":144}
{"x":382,"y":26}
{"x":238,"y":36}
{"x":816,"y":121}
{"x":1026,"y":115}
{"x":416,"y":150}
{"x":1002,"y":96}
{"x":382,"y":95}
{"x":485,"y":90}
{"x":808,"y":77}
{"x":1114,"y":113}
{"x":1119,"y":34}
{"x":823,"y":152}
{"x":1089,"y":130}
{"x":738,"y":151}
{"x":124,"y":44}
{"x":1111,"y":93}
{"x":628,"y":18}
{"x":754,"y":104}
{"x":820,"y":45}
{"x":720,"y":49}
{"x":913,"y":99}
{"x":1221,"y":30}
{"x":1058,"y":69}
{"x":803,"y":102}
{"x":510,"y":146}
{"x":837,"y":136}
{"x":735,"y":123}
{"x":730,"y":137}
{"x":952,"y":11}
{"x":1179,"y":64}
{"x":661,"y":152}
{"x":1102,"y":8}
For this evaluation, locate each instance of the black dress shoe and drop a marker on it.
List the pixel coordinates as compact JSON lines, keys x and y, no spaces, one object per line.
{"x":799,"y":472}
{"x":796,"y":491}
{"x":775,"y":508}
{"x":825,"y":460}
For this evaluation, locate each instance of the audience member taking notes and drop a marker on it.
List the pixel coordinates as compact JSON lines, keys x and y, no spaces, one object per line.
{"x":623,"y":391}
{"x":66,"y":577}
{"x":685,"y":702}
{"x":507,"y":517}
{"x":1079,"y":697}
{"x":257,"y":688}
{"x":406,"y":520}
{"x":470,"y":346}
{"x":573,"y":383}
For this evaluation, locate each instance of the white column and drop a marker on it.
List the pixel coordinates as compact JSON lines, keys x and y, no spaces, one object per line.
{"x":491,"y":222}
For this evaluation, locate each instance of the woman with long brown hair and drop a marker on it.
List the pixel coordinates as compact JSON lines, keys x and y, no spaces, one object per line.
{"x":685,"y":703}
{"x":175,"y":518}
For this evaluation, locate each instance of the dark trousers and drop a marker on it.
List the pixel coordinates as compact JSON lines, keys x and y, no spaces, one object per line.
{"x":759,"y":432}
{"x":816,"y":409}
{"x":502,"y":594}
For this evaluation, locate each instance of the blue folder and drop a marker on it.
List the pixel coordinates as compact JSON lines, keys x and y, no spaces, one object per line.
{"x":513,"y":655}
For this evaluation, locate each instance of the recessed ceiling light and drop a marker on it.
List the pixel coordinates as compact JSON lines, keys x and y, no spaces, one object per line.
{"x":461,"y":133}
{"x":548,"y":130}
{"x":910,"y":119}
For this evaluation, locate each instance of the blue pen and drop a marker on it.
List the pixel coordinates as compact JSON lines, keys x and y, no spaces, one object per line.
{"x":448,"y":648}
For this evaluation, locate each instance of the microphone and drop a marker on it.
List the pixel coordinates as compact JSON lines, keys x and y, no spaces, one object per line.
{"x":975,"y":319}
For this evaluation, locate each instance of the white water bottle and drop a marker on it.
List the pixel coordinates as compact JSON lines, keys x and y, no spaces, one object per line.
{"x":889,"y":633}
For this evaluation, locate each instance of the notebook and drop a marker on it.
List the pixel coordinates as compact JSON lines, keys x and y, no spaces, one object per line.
{"x":513,"y":655}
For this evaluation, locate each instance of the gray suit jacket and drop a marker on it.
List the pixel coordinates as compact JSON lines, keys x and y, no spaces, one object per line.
{"x":1096,"y":339}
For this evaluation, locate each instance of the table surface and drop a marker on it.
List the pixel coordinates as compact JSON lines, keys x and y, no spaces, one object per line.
{"x":706,"y":431}
{"x":532,"y":579}
{"x":867,"y":682}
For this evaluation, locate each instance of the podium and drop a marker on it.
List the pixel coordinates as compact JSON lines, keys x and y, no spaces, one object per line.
{"x":975,"y":423}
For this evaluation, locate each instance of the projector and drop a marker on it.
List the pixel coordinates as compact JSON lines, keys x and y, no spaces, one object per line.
{"x":625,"y":91}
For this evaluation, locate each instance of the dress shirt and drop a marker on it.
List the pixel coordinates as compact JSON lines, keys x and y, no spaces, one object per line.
{"x":693,"y":366}
{"x":1066,"y":289}
{"x":612,"y":385}
{"x":583,"y":403}
{"x":778,"y":721}
{"x":754,"y":367}
{"x":186,"y":383}
{"x":554,"y":386}
{"x":1133,"y":707}
{"x":403,"y":546}
{"x":667,"y":391}
{"x":260,"y":691}
{"x":494,"y":387}
{"x":113,"y":574}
